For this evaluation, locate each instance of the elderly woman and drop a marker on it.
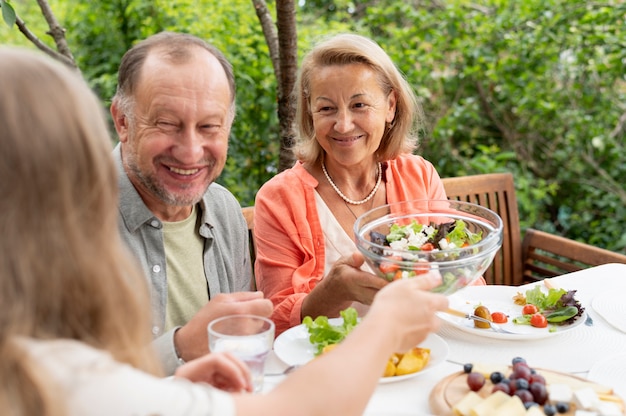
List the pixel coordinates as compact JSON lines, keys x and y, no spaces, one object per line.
{"x":357,"y":118}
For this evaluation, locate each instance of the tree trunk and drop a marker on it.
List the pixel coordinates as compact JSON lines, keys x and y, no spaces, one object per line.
{"x":283,"y":48}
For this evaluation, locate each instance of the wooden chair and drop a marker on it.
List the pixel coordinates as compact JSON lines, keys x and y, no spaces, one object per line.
{"x":539,"y":254}
{"x":248,"y":214}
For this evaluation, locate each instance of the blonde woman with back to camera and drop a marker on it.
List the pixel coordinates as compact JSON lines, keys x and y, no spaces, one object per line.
{"x":75,"y":324}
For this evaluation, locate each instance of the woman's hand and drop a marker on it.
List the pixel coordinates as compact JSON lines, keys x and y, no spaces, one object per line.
{"x":407,"y":308}
{"x":344,"y":284}
{"x":219,"y":369}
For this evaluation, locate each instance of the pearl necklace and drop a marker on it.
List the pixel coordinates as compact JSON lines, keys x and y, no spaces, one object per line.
{"x":345,"y":198}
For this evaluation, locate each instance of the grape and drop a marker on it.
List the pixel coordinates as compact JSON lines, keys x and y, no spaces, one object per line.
{"x":503,"y":387}
{"x":467,"y":368}
{"x":496,"y":377}
{"x":525,"y":395}
{"x":539,"y":392}
{"x":537,"y":378}
{"x":475,"y":381}
{"x":522,"y":371}
{"x":562,"y":407}
{"x":518,"y":384}
{"x":549,"y":410}
{"x":518,"y":360}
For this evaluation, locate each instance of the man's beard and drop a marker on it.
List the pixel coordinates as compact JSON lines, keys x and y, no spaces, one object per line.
{"x":151,"y":183}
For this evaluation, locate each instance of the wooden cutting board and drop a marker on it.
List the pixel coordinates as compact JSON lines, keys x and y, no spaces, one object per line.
{"x":453,"y":388}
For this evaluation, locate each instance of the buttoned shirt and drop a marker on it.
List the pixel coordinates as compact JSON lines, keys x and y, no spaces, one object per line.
{"x":226,"y":255}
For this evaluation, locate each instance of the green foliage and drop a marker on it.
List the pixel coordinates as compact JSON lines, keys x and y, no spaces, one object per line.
{"x":534,"y":87}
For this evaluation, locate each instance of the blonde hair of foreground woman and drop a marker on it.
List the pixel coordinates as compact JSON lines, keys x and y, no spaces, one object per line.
{"x":63,"y":270}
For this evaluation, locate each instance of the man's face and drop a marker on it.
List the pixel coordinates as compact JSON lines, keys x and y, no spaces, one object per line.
{"x":176,"y":141}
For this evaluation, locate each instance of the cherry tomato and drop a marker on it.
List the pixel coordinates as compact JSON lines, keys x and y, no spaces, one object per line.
{"x":529,"y":309}
{"x":499,"y":317}
{"x":387,"y":267}
{"x":427,"y":247}
{"x":538,"y":321}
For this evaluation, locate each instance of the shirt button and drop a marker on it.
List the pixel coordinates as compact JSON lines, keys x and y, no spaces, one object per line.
{"x":156,"y":268}
{"x":154,"y":223}
{"x":155,"y":330}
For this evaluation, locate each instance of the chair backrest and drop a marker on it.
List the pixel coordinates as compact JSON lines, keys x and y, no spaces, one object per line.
{"x":549,"y":255}
{"x":248,"y":214}
{"x":495,"y":191}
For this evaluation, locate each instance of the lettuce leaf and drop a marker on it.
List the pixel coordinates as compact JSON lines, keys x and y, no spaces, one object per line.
{"x":323,"y":333}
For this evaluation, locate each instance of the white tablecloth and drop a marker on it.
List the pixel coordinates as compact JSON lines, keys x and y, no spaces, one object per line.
{"x":575,"y":351}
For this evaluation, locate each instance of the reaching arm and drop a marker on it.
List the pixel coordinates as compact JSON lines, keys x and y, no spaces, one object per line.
{"x":402,"y":315}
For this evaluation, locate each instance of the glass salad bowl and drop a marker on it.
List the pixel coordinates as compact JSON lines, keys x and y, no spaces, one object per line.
{"x":404,"y":240}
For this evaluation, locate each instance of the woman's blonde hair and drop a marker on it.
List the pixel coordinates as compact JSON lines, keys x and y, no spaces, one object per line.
{"x":344,"y":49}
{"x":64,"y":273}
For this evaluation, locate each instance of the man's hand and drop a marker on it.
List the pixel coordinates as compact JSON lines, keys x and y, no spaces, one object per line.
{"x":192,"y":339}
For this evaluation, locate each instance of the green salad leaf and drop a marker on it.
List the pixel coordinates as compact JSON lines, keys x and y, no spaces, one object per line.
{"x":558,"y":306}
{"x":323,"y":333}
{"x":460,"y":235}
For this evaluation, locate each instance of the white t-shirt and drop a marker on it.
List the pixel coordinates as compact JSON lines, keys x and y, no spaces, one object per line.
{"x":95,"y":384}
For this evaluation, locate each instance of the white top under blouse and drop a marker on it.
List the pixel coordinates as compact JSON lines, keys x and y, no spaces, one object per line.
{"x":338,"y":244}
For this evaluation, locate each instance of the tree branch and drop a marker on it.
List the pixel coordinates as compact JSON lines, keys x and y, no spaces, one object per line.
{"x":609,"y":184}
{"x":21,"y":25}
{"x":619,"y":129}
{"x":56,"y":31}
{"x":271,"y":37}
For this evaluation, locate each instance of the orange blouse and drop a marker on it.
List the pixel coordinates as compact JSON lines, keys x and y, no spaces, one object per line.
{"x":288,"y":233}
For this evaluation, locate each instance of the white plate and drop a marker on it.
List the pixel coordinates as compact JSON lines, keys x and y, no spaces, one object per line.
{"x":611,"y":306}
{"x":499,"y":299}
{"x":293,"y":347}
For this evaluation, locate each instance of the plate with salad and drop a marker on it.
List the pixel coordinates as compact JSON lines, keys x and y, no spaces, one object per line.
{"x":302,"y":343}
{"x":531,"y":313}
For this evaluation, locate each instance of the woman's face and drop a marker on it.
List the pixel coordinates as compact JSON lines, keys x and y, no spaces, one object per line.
{"x":349,"y":110}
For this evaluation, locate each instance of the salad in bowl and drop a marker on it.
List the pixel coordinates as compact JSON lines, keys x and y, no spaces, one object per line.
{"x":456,"y":239}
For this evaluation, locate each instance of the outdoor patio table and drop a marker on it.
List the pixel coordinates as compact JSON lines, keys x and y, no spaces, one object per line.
{"x":589,"y":344}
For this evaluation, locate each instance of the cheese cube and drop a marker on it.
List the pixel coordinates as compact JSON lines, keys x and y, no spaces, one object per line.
{"x":560,"y":393}
{"x":535,"y":411}
{"x":512,"y":407}
{"x":585,"y":398}
{"x":485,"y":407}
{"x":462,"y":408}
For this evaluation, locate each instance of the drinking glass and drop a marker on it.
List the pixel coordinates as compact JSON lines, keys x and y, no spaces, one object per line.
{"x":248,"y":337}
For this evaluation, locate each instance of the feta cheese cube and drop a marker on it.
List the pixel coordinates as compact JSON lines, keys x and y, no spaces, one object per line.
{"x":486,"y":406}
{"x":560,"y":392}
{"x":585,"y":398}
{"x":462,"y":408}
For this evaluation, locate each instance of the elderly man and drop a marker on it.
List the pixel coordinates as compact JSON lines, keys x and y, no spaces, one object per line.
{"x":173,"y":110}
